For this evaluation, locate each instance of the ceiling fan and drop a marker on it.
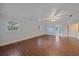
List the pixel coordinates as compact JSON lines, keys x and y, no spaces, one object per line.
{"x":56,"y":15}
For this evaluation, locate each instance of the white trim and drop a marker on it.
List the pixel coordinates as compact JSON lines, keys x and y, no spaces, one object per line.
{"x":7,"y":43}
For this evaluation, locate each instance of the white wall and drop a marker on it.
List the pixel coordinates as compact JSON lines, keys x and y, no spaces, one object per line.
{"x":20,"y":13}
{"x":27,"y":29}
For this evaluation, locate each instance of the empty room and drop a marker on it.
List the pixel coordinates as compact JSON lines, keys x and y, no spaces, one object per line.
{"x":39,"y":29}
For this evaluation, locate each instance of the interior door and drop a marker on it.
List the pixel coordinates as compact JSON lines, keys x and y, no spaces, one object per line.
{"x":73,"y":30}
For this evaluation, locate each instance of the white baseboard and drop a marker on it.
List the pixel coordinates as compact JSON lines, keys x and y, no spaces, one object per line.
{"x":7,"y":43}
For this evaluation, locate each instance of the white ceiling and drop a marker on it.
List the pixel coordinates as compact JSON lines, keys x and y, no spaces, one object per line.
{"x":35,"y":11}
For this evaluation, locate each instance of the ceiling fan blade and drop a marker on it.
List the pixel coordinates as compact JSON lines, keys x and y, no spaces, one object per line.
{"x":53,"y":13}
{"x":60,"y":18}
{"x":61,"y":14}
{"x":46,"y":18}
{"x":51,"y":16}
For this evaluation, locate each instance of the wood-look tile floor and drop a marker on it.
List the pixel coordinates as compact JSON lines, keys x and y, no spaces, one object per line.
{"x":45,"y":45}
